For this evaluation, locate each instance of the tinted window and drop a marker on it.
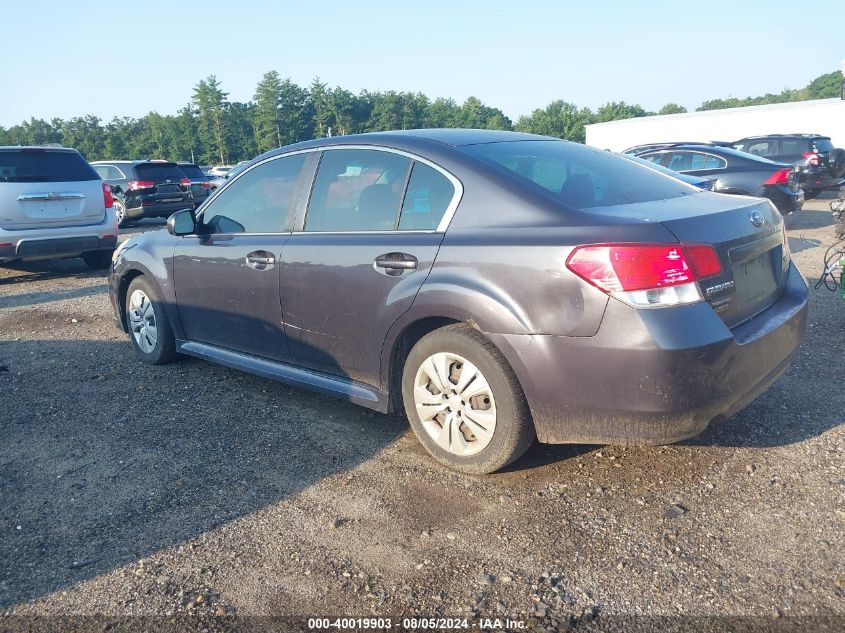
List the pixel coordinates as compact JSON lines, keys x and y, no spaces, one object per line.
{"x":713,"y":162}
{"x":426,"y":199}
{"x":357,"y":190}
{"x":159,"y":172}
{"x":262,"y":200}
{"x":102,"y":171}
{"x":793,"y":147}
{"x":192,"y":171}
{"x":653,"y":158}
{"x":760,"y":148}
{"x":579,"y":176}
{"x":39,"y":165}
{"x":823,"y":145}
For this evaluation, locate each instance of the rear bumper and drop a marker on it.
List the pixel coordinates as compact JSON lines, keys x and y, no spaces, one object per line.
{"x":786,"y":200}
{"x":654,"y":376}
{"x":57,"y":243}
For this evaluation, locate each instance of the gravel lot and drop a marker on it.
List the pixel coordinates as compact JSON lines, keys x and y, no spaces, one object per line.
{"x":194,"y":490}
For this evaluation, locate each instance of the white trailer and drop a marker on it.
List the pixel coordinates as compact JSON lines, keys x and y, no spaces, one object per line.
{"x":823,"y":116}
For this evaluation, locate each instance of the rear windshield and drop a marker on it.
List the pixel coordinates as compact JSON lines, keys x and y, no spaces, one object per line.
{"x":159,"y":172}
{"x":580,"y":176}
{"x":192,"y":171}
{"x":40,"y":165}
{"x":823,"y":144}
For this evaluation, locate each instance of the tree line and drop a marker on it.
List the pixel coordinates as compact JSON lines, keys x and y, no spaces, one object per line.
{"x":211,"y":129}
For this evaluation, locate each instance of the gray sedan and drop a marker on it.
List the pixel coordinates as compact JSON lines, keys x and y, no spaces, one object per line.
{"x":497,"y":287}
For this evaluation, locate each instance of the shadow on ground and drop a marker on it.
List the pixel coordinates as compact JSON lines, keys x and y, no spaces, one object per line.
{"x":105,"y":460}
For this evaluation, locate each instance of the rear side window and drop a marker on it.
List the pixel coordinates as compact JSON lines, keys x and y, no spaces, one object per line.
{"x":159,"y":172}
{"x":793,"y":147}
{"x":357,"y":190}
{"x":579,"y":176}
{"x":192,"y":171}
{"x":108,"y":172}
{"x":39,"y":165}
{"x":428,"y":196}
{"x":761,"y":148}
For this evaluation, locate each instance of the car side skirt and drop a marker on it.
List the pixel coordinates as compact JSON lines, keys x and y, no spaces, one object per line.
{"x":337,"y":386}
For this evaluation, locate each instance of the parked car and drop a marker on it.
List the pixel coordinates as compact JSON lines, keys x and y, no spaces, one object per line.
{"x":219,"y":170}
{"x":636,"y":150}
{"x":497,"y":286}
{"x":145,"y":188}
{"x":702,"y":182}
{"x":200,"y":183}
{"x":219,"y":181}
{"x":822,"y":165}
{"x":735,"y":172}
{"x":53,"y":205}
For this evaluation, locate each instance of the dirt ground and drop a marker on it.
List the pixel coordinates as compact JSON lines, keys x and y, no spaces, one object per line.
{"x":200,"y":494}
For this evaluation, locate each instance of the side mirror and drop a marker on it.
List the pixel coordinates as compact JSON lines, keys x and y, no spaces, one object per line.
{"x":183,"y":222}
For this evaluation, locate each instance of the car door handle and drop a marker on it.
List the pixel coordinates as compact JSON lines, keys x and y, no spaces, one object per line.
{"x":395,"y":263}
{"x":260,"y":260}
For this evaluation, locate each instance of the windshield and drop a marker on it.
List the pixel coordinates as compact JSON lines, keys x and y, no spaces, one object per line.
{"x":579,"y":176}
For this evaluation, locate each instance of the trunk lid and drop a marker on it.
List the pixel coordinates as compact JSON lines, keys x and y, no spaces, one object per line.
{"x":748,"y":236}
{"x":48,"y":188}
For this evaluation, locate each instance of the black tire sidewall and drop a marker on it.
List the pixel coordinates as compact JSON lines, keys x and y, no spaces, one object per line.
{"x":98,"y":260}
{"x":165,"y":345}
{"x":512,"y":415}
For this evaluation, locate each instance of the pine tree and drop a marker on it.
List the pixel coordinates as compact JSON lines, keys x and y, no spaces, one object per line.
{"x":268,"y":102}
{"x":211,"y":104}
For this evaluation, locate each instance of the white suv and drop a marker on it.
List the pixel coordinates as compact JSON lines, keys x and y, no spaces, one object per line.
{"x":54,"y":205}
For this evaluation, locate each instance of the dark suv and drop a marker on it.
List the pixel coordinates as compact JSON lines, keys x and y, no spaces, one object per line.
{"x":821,"y":165}
{"x":200,"y":183}
{"x":145,"y":188}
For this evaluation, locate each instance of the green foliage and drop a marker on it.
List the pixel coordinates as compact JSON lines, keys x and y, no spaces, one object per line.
{"x":672,"y":108}
{"x":211,"y":129}
{"x":560,"y":118}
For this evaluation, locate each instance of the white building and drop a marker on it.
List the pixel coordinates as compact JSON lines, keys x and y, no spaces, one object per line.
{"x":824,"y":116}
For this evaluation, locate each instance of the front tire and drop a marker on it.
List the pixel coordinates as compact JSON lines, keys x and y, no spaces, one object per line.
{"x":148,"y":325}
{"x":464,"y":402}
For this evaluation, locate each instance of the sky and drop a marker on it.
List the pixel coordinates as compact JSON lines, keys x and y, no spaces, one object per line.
{"x":77,"y":57}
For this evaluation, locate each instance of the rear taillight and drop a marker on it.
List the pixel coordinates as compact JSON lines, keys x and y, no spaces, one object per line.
{"x":141,"y":184}
{"x":206,"y":185}
{"x":646,"y":274}
{"x":185,"y":181}
{"x":780,"y":177}
{"x":812,"y":158}
{"x":108,"y":199}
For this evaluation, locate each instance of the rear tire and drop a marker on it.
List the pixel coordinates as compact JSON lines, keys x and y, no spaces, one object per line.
{"x":147,"y":322}
{"x":476,"y":423}
{"x":809,"y":194}
{"x":120,"y":213}
{"x":98,"y":260}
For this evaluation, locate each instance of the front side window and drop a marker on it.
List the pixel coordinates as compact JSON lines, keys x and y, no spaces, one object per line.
{"x":262,"y":200}
{"x":428,"y":196}
{"x":357,"y":190}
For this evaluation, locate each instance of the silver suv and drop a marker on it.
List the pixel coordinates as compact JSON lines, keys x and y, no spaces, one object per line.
{"x":54,"y":205}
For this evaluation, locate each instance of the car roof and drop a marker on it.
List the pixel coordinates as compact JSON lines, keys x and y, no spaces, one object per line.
{"x":43,"y":148}
{"x":796,"y":135}
{"x":453,"y":137}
